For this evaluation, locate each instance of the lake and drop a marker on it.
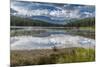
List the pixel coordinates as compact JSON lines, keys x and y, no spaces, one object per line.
{"x":28,"y":38}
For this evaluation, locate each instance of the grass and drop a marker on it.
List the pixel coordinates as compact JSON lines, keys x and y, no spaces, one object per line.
{"x":88,"y":28}
{"x":50,"y":56}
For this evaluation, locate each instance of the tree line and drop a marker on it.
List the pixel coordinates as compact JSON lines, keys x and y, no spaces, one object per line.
{"x":18,"y":21}
{"x":86,"y":22}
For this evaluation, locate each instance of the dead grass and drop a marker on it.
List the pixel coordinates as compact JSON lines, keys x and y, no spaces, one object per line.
{"x":49,"y":56}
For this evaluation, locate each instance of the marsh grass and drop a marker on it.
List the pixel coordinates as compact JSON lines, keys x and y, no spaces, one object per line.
{"x":49,"y":56}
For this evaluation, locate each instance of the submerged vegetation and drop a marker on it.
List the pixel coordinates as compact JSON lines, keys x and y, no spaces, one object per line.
{"x":26,"y":32}
{"x":81,"y":32}
{"x":50,"y":56}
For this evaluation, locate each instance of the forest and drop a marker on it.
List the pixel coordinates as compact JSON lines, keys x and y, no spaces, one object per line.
{"x":19,"y":21}
{"x":86,"y":22}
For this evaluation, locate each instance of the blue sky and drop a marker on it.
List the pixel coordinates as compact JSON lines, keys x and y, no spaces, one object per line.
{"x":51,"y":11}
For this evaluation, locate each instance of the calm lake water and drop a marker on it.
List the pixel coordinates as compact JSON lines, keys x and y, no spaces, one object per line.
{"x":27,"y":38}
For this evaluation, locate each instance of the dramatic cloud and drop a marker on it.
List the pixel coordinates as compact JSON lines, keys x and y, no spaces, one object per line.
{"x":53,"y":11}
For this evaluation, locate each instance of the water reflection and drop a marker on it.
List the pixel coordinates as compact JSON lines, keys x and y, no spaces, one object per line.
{"x":29,"y":38}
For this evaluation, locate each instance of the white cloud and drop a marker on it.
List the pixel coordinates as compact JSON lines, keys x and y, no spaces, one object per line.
{"x":75,"y":14}
{"x":61,"y":13}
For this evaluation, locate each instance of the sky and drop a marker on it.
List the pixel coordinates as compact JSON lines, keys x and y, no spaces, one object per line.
{"x":51,"y":12}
